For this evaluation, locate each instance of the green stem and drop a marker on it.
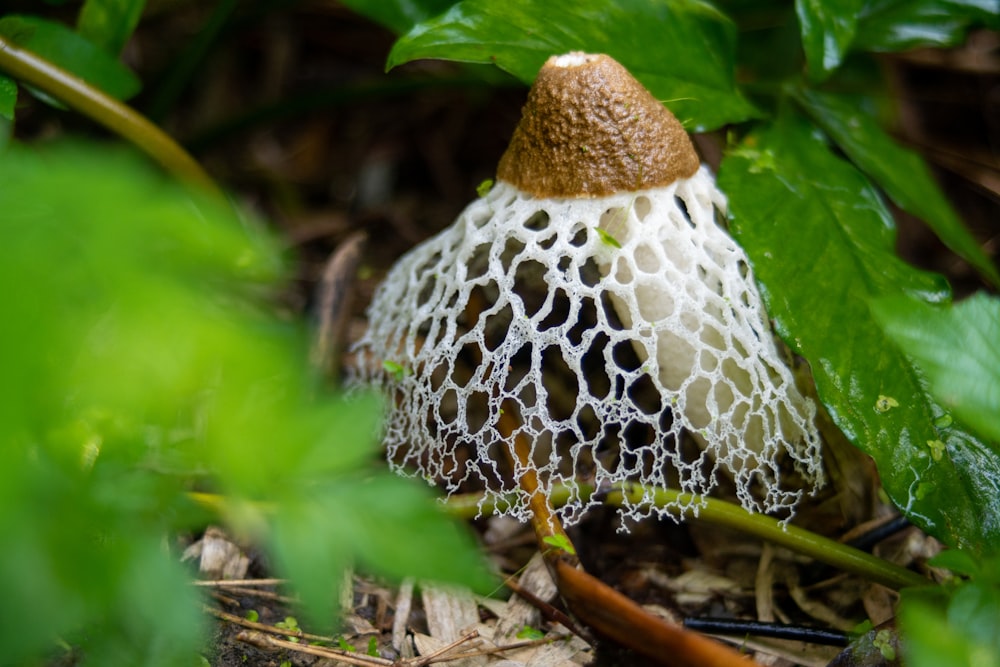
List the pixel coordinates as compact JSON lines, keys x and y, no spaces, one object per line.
{"x":730,"y":515}
{"x":117,"y":117}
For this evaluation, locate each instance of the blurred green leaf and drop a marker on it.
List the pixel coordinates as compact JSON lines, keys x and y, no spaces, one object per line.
{"x":682,"y":51}
{"x":899,"y":25}
{"x":109,"y":23}
{"x":379,"y":521}
{"x":958,"y":350}
{"x":8,"y":97}
{"x":85,"y":234}
{"x":312,"y":557}
{"x":138,"y":356}
{"x":67,"y":50}
{"x":900,"y":172}
{"x":822,"y":245}
{"x":954,"y":625}
{"x":399,"y":15}
{"x":958,"y":561}
{"x":827,"y":32}
{"x":398,"y":529}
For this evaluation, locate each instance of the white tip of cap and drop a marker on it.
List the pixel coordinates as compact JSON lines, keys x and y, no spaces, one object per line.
{"x":573,"y":59}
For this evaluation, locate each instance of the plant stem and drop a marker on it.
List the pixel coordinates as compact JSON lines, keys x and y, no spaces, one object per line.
{"x":722,"y":513}
{"x":29,"y":68}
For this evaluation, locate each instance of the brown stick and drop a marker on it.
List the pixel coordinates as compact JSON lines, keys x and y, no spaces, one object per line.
{"x":600,"y":607}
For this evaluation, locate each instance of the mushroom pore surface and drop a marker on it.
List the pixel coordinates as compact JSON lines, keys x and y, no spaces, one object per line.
{"x":620,"y":323}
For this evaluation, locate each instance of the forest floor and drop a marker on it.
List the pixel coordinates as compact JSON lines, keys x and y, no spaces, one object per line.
{"x":296,"y":116}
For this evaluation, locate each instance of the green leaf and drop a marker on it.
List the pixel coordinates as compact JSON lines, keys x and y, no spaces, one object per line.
{"x":8,"y":97}
{"x":382,"y":522}
{"x":71,"y":52}
{"x":900,"y":172}
{"x":399,"y":15}
{"x":313,"y":559}
{"x":109,"y":23}
{"x":821,"y":242}
{"x":953,"y":625}
{"x":958,"y":349}
{"x":607,"y":239}
{"x":560,"y":542}
{"x":899,"y":25}
{"x":682,"y":51}
{"x":170,"y":374}
{"x":398,"y":529}
{"x":960,"y":562}
{"x":827,"y":32}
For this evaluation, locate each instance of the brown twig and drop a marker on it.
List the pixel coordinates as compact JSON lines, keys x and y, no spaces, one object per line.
{"x":263,"y":640}
{"x":435,"y":656}
{"x":226,"y":583}
{"x":333,"y":304}
{"x":548,"y":611}
{"x":264,"y":627}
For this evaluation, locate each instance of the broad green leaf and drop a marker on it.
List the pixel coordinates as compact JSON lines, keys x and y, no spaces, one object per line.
{"x":109,"y":23}
{"x":956,"y":624}
{"x":898,"y":25}
{"x":769,"y":49}
{"x":821,"y":242}
{"x":959,"y":562}
{"x":930,"y":639}
{"x":8,"y":97}
{"x":313,"y":559}
{"x":682,"y":51}
{"x":397,"y":528}
{"x":85,"y":236}
{"x":399,"y":15}
{"x":827,"y":31}
{"x":958,"y":350}
{"x":381,"y":522}
{"x":900,"y":172}
{"x":170,"y":374}
{"x":69,"y":51}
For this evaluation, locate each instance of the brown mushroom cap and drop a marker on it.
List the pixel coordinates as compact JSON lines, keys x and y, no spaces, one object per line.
{"x":589,"y":129}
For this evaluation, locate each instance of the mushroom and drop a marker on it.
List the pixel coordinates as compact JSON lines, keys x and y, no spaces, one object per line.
{"x":594,"y":292}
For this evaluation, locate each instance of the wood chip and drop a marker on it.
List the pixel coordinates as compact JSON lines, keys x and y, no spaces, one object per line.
{"x":535,"y":579}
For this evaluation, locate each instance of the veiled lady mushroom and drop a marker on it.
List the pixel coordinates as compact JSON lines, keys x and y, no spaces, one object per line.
{"x":596,"y":264}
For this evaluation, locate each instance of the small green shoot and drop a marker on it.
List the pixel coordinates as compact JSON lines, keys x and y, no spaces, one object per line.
{"x":937,"y":449}
{"x":396,"y":370}
{"x":344,"y":645}
{"x":608,"y":240}
{"x":292,"y":625}
{"x":530,"y":633}
{"x":944,"y":421}
{"x":373,"y":647}
{"x":883,"y":642}
{"x":560,"y":542}
{"x":252,"y":616}
{"x":885,"y":403}
{"x":484,"y":188}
